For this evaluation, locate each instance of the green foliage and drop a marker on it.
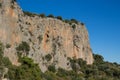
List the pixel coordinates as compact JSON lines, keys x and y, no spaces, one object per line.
{"x":51,"y":76}
{"x":0,"y":5}
{"x":27,"y":61}
{"x":82,"y":23}
{"x":52,"y":68}
{"x":100,"y":70}
{"x":29,"y":13}
{"x":1,"y":48}
{"x":14,"y":1}
{"x":50,"y":15}
{"x":74,"y":21}
{"x":48,"y":57}
{"x":76,"y":64}
{"x":1,"y":53}
{"x":6,"y":61}
{"x":42,"y":15}
{"x":28,"y":70}
{"x":8,"y":45}
{"x":40,"y":38}
{"x":62,"y":73}
{"x":59,"y":17}
{"x":73,"y":26}
{"x":23,"y":47}
{"x":98,"y":58}
{"x":66,"y":21}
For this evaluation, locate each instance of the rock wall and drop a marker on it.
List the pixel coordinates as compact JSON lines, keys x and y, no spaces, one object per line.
{"x":44,"y":35}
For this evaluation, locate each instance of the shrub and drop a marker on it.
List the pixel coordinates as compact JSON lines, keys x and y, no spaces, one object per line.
{"x":14,"y":1}
{"x":26,"y":71}
{"x":74,"y":64}
{"x":82,"y":23}
{"x":73,"y":26}
{"x":74,"y":21}
{"x":66,"y":21}
{"x":48,"y":57}
{"x":29,"y":14}
{"x":59,"y":17}
{"x":0,"y":5}
{"x":81,"y":62}
{"x":1,"y":48}
{"x":62,"y":73}
{"x":50,"y":15}
{"x":52,"y":68}
{"x":98,"y":58}
{"x":42,"y":15}
{"x":50,"y":76}
{"x":40,"y":38}
{"x":6,"y":61}
{"x":27,"y":61}
{"x":8,"y":45}
{"x":23,"y":47}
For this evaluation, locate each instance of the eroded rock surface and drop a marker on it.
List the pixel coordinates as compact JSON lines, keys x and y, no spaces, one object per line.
{"x":44,"y":35}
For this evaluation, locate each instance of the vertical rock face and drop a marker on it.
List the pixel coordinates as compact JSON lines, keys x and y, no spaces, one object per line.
{"x":45,"y":36}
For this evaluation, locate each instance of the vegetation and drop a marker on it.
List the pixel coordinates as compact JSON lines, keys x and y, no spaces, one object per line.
{"x":8,"y":45}
{"x":48,"y":57}
{"x":4,"y":61}
{"x":50,"y":15}
{"x":82,"y":23}
{"x":74,"y":21}
{"x":28,"y":70}
{"x":59,"y":17}
{"x":12,"y":5}
{"x":0,"y":5}
{"x":23,"y":48}
{"x":40,"y":38}
{"x":14,"y":0}
{"x":73,"y":26}
{"x":42,"y":15}
{"x":29,"y":14}
{"x":52,"y":68}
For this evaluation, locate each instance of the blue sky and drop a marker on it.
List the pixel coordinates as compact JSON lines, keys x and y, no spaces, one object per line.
{"x":101,"y":17}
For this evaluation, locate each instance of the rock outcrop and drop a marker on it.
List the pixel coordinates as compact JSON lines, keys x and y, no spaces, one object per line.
{"x":45,"y":36}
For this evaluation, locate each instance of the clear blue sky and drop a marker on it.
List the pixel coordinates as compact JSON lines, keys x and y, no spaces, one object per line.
{"x":101,"y":17}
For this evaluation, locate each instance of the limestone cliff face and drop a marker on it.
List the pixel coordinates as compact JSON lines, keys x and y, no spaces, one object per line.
{"x":44,"y":35}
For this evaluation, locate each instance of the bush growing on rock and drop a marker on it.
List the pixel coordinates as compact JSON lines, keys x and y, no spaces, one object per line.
{"x":42,"y":15}
{"x":48,"y":57}
{"x":59,"y":17}
{"x":50,"y":15}
{"x":23,"y":47}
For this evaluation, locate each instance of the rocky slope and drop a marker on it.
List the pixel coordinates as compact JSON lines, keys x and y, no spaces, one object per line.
{"x":47,"y":37}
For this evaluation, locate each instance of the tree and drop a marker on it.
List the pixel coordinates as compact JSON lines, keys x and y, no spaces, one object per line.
{"x":42,"y":15}
{"x":0,"y":5}
{"x":29,"y":13}
{"x":23,"y":47}
{"x":50,"y":15}
{"x":98,"y":58}
{"x":74,"y":21}
{"x":59,"y":17}
{"x":52,"y":68}
{"x":48,"y":57}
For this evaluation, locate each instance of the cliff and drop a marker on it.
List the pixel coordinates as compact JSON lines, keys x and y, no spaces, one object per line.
{"x":47,"y":37}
